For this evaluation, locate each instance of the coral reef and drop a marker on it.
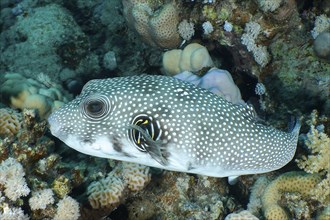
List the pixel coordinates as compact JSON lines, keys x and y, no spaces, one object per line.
{"x":181,"y":196}
{"x":297,"y":76}
{"x":106,"y":193}
{"x":280,"y":49}
{"x":322,"y":23}
{"x":42,"y":40}
{"x":29,"y":164}
{"x":260,"y":53}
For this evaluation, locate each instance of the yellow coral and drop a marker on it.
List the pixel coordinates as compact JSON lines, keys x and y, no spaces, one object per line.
{"x":156,"y":27}
{"x":299,"y":182}
{"x":61,"y":186}
{"x":193,"y":58}
{"x":28,"y":93}
{"x":10,"y":122}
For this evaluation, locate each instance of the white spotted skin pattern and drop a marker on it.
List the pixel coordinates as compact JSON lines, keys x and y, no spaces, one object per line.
{"x":202,"y":132}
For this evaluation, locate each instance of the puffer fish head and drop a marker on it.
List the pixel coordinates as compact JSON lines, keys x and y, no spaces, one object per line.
{"x":163,"y":122}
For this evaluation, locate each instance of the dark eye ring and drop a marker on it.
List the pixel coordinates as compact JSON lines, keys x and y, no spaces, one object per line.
{"x":96,"y":107}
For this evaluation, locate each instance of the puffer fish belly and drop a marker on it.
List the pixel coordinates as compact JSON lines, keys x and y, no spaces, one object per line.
{"x":163,"y":122}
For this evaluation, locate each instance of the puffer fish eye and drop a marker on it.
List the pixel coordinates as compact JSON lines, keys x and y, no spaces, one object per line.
{"x":96,"y":107}
{"x":143,"y":126}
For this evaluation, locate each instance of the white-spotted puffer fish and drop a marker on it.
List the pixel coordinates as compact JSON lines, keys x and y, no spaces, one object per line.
{"x":163,"y":122}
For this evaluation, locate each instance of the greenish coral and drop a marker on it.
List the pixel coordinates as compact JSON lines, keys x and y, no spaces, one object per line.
{"x":62,"y":186}
{"x":214,"y":14}
{"x":297,"y":74}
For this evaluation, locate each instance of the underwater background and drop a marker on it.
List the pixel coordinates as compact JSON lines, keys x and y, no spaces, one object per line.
{"x":278,"y":55}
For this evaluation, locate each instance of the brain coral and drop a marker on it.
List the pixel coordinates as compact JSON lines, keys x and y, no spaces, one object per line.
{"x":10,"y":122}
{"x":110,"y":191}
{"x":136,"y":176}
{"x":106,"y":193}
{"x":158,"y":27}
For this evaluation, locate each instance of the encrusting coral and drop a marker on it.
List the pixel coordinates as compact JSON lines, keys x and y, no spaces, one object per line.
{"x":158,"y":27}
{"x":291,"y":182}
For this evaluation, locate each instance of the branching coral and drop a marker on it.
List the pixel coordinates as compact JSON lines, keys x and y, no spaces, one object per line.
{"x":13,"y":180}
{"x":260,"y":53}
{"x":67,"y":208}
{"x":41,"y":198}
{"x":318,"y":143}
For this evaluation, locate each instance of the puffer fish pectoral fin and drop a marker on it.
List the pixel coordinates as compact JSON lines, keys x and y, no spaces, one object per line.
{"x":154,"y":148}
{"x":232,"y":180}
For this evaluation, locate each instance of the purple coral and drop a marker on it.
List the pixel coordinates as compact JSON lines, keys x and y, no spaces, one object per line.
{"x":216,"y":81}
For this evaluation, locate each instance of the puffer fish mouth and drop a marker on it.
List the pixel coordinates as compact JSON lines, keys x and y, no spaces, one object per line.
{"x":55,"y":128}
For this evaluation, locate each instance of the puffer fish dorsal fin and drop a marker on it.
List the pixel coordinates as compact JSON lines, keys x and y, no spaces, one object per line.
{"x":151,"y":146}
